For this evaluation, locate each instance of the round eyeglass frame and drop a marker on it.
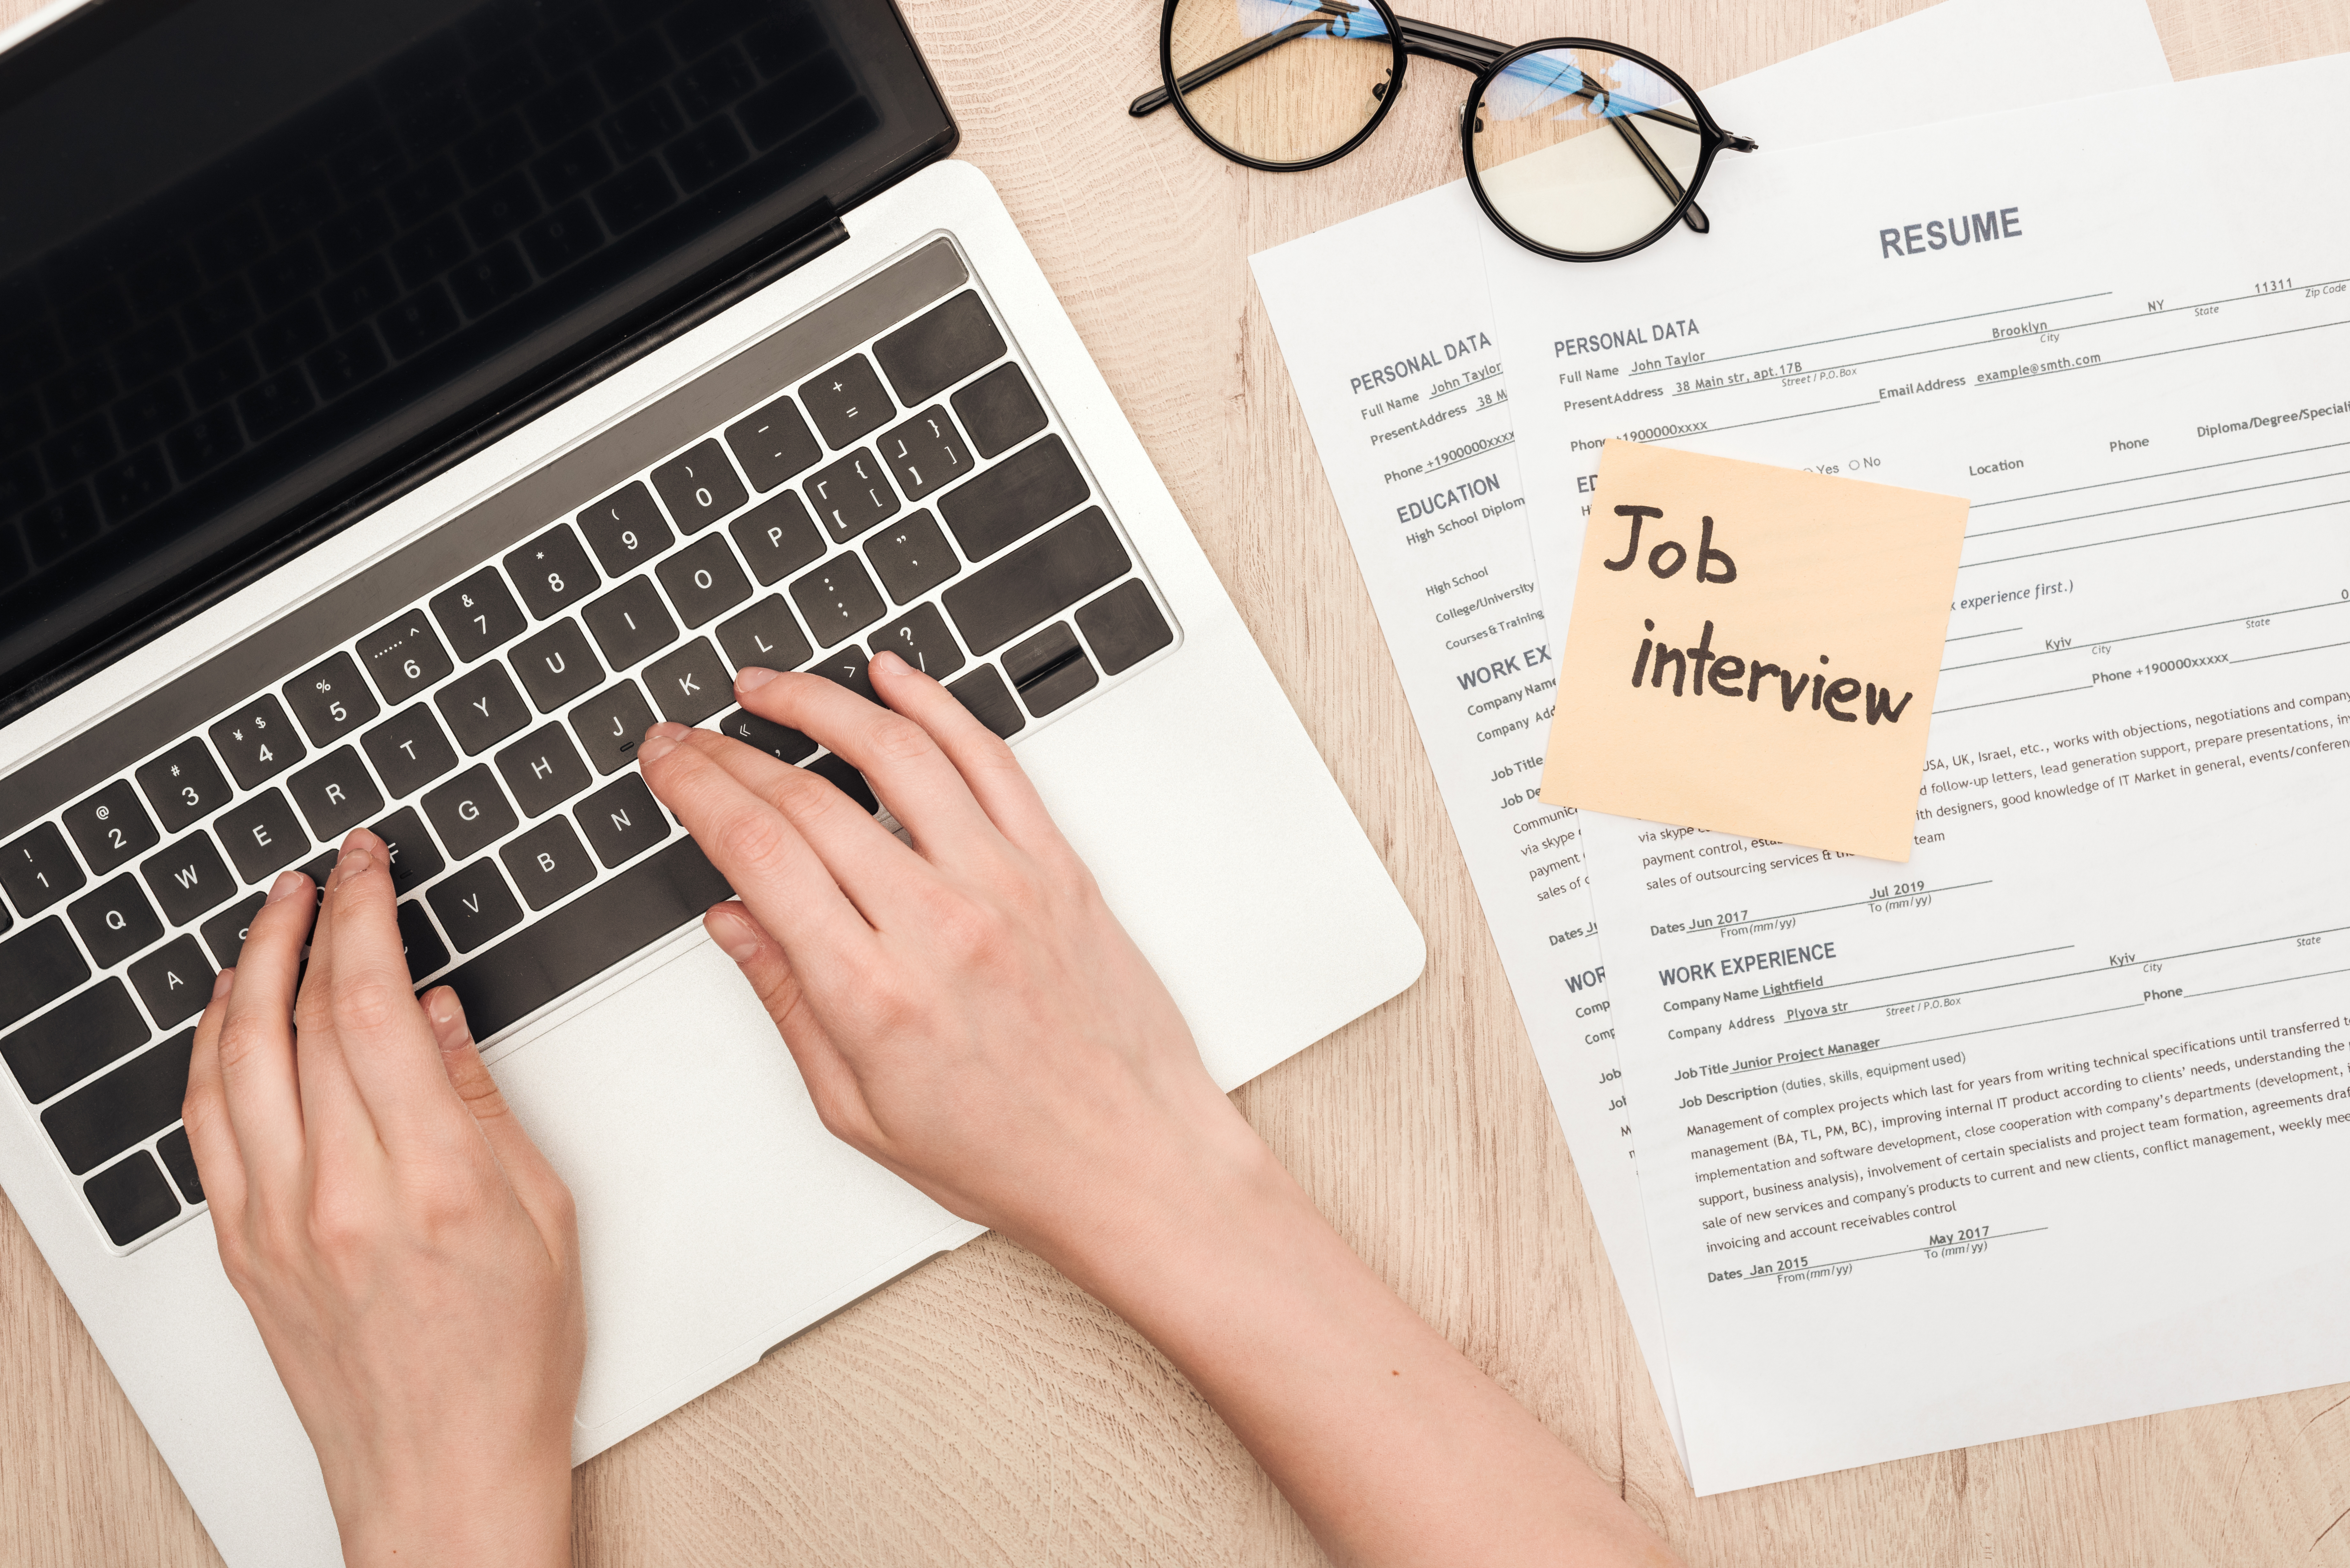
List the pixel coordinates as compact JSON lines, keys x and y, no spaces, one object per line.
{"x":1387,"y":100}
{"x":1713,"y":139}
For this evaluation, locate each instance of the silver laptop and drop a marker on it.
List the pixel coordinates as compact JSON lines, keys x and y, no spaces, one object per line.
{"x":401,"y":408}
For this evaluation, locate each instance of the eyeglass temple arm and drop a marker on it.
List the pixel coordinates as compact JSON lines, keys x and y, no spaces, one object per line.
{"x":1660,"y":173}
{"x":1466,"y":50}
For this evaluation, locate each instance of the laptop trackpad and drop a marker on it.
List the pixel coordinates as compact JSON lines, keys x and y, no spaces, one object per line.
{"x":716,"y":1215}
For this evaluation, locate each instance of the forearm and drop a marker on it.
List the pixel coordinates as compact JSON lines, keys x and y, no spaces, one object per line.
{"x":1393,"y":1448}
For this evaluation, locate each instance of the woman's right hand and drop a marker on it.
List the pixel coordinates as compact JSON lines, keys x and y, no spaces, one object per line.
{"x":967,"y":1011}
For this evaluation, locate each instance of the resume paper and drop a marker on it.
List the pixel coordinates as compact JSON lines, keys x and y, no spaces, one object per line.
{"x":1402,"y":385}
{"x":2043,"y":1128}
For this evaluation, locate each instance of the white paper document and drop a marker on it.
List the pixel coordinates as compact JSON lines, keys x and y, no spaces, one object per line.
{"x":1396,"y":366}
{"x":2043,"y":1128}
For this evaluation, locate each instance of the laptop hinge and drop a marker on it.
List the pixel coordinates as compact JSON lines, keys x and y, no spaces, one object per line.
{"x":827,"y":232}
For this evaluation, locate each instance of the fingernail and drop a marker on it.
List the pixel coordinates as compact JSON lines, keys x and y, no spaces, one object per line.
{"x":352,"y":862}
{"x":288,"y":883}
{"x":737,"y":937}
{"x":442,"y":1005}
{"x":888,"y":655}
{"x":660,"y":742}
{"x":221,"y":982}
{"x":752,"y":677}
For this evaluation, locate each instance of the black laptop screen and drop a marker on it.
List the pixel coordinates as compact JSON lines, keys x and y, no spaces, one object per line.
{"x":260,"y":257}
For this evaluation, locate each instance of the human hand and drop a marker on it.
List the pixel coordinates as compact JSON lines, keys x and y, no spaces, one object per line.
{"x":967,"y":1012}
{"x":407,"y":1255}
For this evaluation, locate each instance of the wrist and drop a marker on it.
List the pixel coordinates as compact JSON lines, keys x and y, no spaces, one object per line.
{"x":512,"y":1516}
{"x":1185,"y":1241}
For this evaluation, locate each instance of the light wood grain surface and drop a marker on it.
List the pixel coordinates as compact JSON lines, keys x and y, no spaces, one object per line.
{"x":982,"y":1410}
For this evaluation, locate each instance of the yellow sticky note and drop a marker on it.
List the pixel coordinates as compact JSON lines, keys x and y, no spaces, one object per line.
{"x":1753,"y":650}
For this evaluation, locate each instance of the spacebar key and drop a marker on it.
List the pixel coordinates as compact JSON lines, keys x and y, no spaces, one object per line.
{"x":610,"y":923}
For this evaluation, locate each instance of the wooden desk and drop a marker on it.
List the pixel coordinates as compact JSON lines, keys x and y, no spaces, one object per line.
{"x":982,"y":1410}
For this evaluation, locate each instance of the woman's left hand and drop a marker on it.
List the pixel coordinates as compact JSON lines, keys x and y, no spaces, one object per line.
{"x":407,"y":1252}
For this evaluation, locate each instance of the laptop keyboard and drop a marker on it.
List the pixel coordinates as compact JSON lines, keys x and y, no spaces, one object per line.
{"x":913,"y":494}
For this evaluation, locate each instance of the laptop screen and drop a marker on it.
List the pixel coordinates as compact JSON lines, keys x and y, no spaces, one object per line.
{"x":261,"y":257}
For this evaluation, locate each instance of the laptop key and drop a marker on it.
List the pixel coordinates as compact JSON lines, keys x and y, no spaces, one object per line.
{"x":1049,"y":670}
{"x":116,"y":921}
{"x":474,"y":905}
{"x":611,"y":724}
{"x":188,"y":878}
{"x":780,"y":742}
{"x":262,"y":836}
{"x":132,"y":1198}
{"x":258,"y":742}
{"x":573,"y":945}
{"x":625,"y":529}
{"x":851,"y":496}
{"x":482,"y":707}
{"x":38,"y":869}
{"x":773,"y":444}
{"x":174,"y":980}
{"x":846,"y":667}
{"x":777,"y":537}
{"x":403,"y":656}
{"x":226,"y":932}
{"x":837,"y":600}
{"x":415,"y":858}
{"x":543,"y":770}
{"x":330,"y":700}
{"x":419,"y":944}
{"x":622,"y":820}
{"x":111,"y":827}
{"x":1124,"y":628}
{"x":556,"y":665}
{"x":847,"y":401}
{"x":335,"y":793}
{"x":183,"y":784}
{"x":766,"y":635}
{"x":631,"y":624}
{"x":999,"y":410}
{"x":75,"y":1038}
{"x":925,"y":453}
{"x":1038,"y":581}
{"x":551,"y":572}
{"x":939,"y":347}
{"x":921,"y":638}
{"x":38,"y":965}
{"x":470,"y":813}
{"x":181,"y":1161}
{"x":911,"y":557}
{"x":548,"y":864}
{"x":699,"y":487}
{"x":990,"y":700}
{"x":479,"y":615}
{"x":128,"y":1106}
{"x":689,"y":684}
{"x":409,"y":750}
{"x":703,"y":580}
{"x":1014,"y":498}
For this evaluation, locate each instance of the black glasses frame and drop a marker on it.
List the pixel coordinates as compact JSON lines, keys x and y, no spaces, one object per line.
{"x":1485,"y":60}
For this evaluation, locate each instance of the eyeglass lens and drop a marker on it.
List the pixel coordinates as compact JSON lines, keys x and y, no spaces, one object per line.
{"x":1582,"y":150}
{"x":1281,"y":82}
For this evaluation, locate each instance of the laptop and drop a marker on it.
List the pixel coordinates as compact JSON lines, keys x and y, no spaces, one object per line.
{"x":404,"y":407}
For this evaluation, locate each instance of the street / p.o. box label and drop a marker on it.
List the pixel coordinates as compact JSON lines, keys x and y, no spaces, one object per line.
{"x":1753,"y":650}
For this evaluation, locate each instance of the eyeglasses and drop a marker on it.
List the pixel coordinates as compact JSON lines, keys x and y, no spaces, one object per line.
{"x":1576,"y":149}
